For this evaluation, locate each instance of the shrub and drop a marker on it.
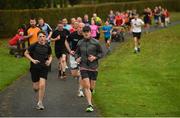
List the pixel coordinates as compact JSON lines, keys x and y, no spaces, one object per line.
{"x":10,"y":20}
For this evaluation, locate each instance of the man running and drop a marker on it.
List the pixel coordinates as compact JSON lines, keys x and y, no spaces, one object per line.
{"x":136,"y":25}
{"x":46,"y":28}
{"x":87,"y":55}
{"x":61,"y":48}
{"x":40,"y":56}
{"x":32,"y":31}
{"x":73,"y":40}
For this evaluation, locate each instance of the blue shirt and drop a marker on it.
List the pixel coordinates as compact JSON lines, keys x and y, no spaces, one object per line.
{"x":107,"y":28}
{"x":46,"y":28}
{"x":68,"y":27}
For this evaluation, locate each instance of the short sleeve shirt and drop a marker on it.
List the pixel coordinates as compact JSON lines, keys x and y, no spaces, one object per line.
{"x":39,"y":52}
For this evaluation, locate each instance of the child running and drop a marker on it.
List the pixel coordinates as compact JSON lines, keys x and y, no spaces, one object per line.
{"x":107,"y":28}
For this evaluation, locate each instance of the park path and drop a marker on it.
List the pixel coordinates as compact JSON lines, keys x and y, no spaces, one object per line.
{"x":61,"y":96}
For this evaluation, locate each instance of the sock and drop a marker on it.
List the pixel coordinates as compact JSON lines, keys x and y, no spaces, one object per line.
{"x":136,"y":48}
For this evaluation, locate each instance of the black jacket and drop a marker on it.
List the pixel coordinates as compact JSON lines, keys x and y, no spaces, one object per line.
{"x":86,"y":48}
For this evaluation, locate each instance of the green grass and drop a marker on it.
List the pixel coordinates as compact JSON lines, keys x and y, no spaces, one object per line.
{"x":145,"y":84}
{"x":11,"y":68}
{"x":175,"y":16}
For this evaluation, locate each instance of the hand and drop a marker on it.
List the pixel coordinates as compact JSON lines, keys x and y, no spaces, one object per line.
{"x":91,"y":58}
{"x":31,"y":34}
{"x":78,"y":60}
{"x":72,"y":52}
{"x":35,"y":61}
{"x":47,"y":63}
{"x":58,"y":37}
{"x":48,"y":39}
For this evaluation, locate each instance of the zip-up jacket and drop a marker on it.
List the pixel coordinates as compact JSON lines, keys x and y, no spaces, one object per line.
{"x":85,"y":48}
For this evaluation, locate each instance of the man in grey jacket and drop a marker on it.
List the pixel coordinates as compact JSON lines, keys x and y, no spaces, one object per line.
{"x":88,"y":53}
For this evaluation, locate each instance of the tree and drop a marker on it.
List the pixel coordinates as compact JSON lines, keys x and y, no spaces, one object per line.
{"x":74,"y":2}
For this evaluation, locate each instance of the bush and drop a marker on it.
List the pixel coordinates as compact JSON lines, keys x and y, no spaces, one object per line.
{"x":10,"y":20}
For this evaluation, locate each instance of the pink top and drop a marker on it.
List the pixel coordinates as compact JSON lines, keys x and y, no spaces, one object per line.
{"x":94,"y":30}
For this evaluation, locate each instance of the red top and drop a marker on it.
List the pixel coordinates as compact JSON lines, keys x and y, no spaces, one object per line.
{"x":119,"y":20}
{"x":14,"y":40}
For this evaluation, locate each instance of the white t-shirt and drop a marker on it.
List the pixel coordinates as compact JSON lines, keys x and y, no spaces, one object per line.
{"x":136,"y":25}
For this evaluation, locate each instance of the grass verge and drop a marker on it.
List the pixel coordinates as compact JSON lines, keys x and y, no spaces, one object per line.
{"x":145,"y":84}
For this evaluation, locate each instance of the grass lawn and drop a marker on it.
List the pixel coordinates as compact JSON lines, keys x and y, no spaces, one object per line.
{"x":175,"y":16}
{"x":145,"y":84}
{"x":10,"y":67}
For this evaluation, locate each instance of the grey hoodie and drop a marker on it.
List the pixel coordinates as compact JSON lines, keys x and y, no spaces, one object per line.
{"x":88,"y":47}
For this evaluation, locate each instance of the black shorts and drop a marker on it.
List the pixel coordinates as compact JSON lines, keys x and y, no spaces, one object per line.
{"x":37,"y":73}
{"x":97,"y":36}
{"x":106,"y":39}
{"x":92,"y":75}
{"x":138,"y":35}
{"x":60,"y":53}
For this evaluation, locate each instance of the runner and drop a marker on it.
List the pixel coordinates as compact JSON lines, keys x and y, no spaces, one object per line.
{"x":86,"y":20}
{"x":107,"y":29}
{"x":40,"y":56}
{"x":119,"y":21}
{"x":61,"y":48}
{"x":98,"y":22}
{"x":66,"y":25}
{"x":136,"y":25}
{"x":32,"y":31}
{"x":87,"y":54}
{"x":73,"y":40}
{"x":111,"y":17}
{"x":46,"y":28}
{"x":147,"y":19}
{"x":94,"y":30}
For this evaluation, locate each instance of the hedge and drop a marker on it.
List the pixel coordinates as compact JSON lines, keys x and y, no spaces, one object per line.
{"x":10,"y":20}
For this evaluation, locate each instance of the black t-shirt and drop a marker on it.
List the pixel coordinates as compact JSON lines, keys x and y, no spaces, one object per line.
{"x":39,"y":52}
{"x":60,"y":44}
{"x":73,"y":40}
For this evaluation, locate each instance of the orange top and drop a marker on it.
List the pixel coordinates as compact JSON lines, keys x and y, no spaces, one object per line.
{"x":34,"y":37}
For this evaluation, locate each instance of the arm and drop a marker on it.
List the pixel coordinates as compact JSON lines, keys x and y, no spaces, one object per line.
{"x":78,"y":53}
{"x":68,"y":47}
{"x":48,"y":62}
{"x":55,"y":39}
{"x":142,"y":23}
{"x":49,"y":36}
{"x":26,"y":53}
{"x":99,"y":51}
{"x":29,"y":34}
{"x":99,"y":55}
{"x":50,"y":32}
{"x":123,"y":21}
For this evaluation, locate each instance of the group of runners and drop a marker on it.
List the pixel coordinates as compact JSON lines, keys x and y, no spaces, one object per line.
{"x":79,"y":46}
{"x":76,"y":47}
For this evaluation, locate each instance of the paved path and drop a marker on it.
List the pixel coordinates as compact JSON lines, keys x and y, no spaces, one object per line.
{"x":60,"y":100}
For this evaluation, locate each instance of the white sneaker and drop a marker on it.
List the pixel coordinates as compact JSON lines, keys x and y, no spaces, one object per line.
{"x":40,"y":106}
{"x":81,"y":94}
